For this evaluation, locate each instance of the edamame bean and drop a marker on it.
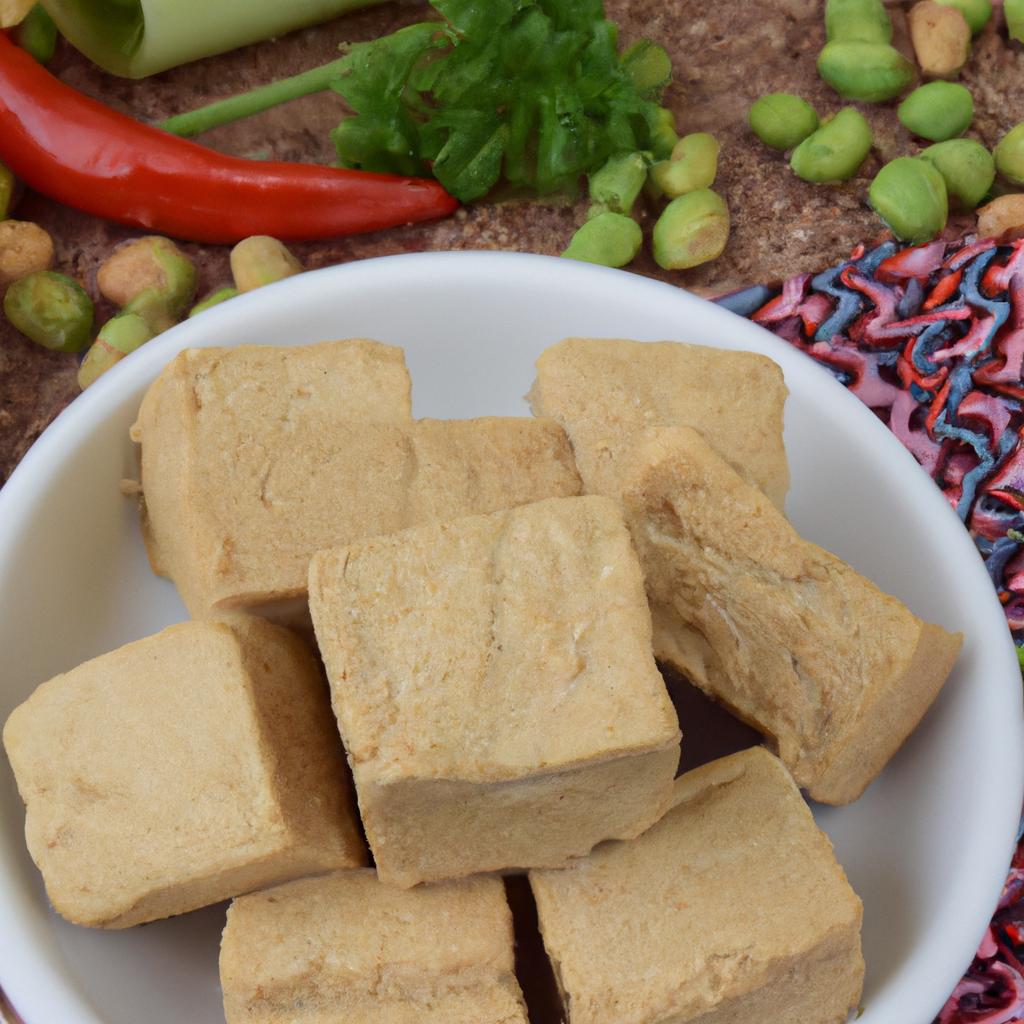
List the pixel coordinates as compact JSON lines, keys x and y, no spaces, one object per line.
{"x":616,"y":185}
{"x":909,"y":194}
{"x":782,"y":120}
{"x":976,"y":12}
{"x":693,"y":165}
{"x":211,"y":300}
{"x":836,"y":150}
{"x":966,"y":166}
{"x":871,"y":72}
{"x":693,"y":229}
{"x":37,"y":34}
{"x":1010,"y":155}
{"x":862,"y":21}
{"x":663,"y":133}
{"x":7,"y":186}
{"x":1014,"y":12}
{"x":610,"y":239}
{"x":937,"y":111}
{"x":118,"y":337}
{"x":51,"y":310}
{"x":152,"y":277}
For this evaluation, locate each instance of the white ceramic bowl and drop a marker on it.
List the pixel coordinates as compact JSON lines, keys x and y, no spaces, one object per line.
{"x":926,"y":847}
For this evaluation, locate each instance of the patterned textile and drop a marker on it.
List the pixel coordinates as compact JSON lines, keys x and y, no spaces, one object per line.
{"x":931,"y":338}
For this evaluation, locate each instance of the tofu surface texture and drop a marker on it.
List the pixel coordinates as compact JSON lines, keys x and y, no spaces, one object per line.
{"x":731,"y":910}
{"x":180,"y":770}
{"x":834,"y":672}
{"x":252,"y":462}
{"x":346,"y":947}
{"x":607,"y":392}
{"x":495,"y":687}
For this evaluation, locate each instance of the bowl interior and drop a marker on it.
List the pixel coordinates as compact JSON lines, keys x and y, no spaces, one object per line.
{"x":926,"y":847}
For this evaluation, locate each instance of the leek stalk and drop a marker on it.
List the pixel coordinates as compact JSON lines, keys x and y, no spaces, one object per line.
{"x":136,"y":38}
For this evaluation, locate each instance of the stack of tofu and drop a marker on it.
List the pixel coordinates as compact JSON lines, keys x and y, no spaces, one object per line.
{"x":488,"y":599}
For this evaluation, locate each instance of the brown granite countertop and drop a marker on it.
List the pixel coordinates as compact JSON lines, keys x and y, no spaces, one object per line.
{"x":725,"y":54}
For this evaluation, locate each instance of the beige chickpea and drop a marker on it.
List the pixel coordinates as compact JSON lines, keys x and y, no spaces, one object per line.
{"x":24,"y":249}
{"x":1001,"y":215}
{"x":941,"y":38}
{"x":261,"y":260}
{"x":14,"y":12}
{"x":134,"y":268}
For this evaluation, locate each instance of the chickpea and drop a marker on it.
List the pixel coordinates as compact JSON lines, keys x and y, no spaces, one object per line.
{"x":25,"y":248}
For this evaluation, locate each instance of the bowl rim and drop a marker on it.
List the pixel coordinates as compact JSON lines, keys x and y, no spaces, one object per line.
{"x":24,"y":969}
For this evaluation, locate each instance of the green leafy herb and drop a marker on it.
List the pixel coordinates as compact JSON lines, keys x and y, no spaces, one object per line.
{"x":532,"y":92}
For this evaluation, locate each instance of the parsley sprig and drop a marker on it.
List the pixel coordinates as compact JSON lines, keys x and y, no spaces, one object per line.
{"x":531,"y":92}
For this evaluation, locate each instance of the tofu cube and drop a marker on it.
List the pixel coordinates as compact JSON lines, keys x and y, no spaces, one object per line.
{"x":606,"y":392}
{"x":834,"y":672}
{"x":731,"y":910}
{"x":495,"y":688}
{"x":181,"y":770}
{"x":255,"y":459}
{"x":346,"y":947}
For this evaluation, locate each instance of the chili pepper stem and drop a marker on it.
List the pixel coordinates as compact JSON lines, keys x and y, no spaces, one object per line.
{"x":247,"y":104}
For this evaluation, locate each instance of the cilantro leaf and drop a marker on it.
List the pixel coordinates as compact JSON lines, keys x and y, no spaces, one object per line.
{"x":532,"y":92}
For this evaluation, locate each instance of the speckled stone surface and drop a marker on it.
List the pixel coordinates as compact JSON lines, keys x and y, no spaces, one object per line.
{"x":726,"y":54}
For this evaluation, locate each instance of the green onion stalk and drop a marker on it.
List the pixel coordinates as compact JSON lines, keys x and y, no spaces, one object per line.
{"x":136,"y":38}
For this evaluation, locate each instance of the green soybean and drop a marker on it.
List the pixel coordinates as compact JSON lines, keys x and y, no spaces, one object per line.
{"x":937,"y":111}
{"x":610,"y":239}
{"x":8,"y":183}
{"x":863,"y":21}
{"x":782,"y":120}
{"x":213,"y":299}
{"x":649,"y":65}
{"x":693,"y":165}
{"x":51,"y":310}
{"x":909,"y":194}
{"x":616,"y":186}
{"x":870,"y":72}
{"x":37,"y":34}
{"x":976,"y":12}
{"x":1014,"y":12}
{"x":836,"y":150}
{"x":118,"y":337}
{"x":663,"y":132}
{"x":1010,"y":155}
{"x":966,"y":166}
{"x":693,"y":229}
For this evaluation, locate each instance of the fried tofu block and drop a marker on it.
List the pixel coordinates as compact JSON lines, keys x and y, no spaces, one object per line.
{"x":181,"y":770}
{"x":239,"y":496}
{"x":495,"y":688}
{"x":731,"y":910}
{"x":346,"y":947}
{"x":606,"y":392}
{"x":218,"y":428}
{"x":833,"y":671}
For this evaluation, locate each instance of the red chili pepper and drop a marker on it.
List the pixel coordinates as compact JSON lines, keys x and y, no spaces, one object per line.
{"x":75,"y":150}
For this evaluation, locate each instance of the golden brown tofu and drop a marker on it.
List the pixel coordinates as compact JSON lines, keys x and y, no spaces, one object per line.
{"x":219,"y":426}
{"x":731,"y":910}
{"x":833,"y":671}
{"x":346,"y":947}
{"x":606,"y":392}
{"x":495,"y":688}
{"x":181,"y":770}
{"x":241,"y":488}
